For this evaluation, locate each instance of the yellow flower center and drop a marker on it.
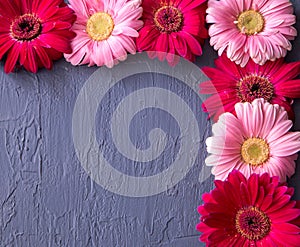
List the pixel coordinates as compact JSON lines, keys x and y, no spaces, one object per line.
{"x":100,"y":26}
{"x":255,"y":151}
{"x":250,"y":22}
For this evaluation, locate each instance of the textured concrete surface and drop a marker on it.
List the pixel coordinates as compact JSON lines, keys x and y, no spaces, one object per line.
{"x":47,"y":198}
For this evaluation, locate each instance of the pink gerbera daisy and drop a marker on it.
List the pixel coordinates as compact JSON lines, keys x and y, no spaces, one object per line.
{"x":173,"y":27}
{"x":105,"y":31}
{"x":256,"y":140}
{"x":33,"y":33}
{"x":230,"y":83}
{"x":257,"y":29}
{"x":249,"y":212}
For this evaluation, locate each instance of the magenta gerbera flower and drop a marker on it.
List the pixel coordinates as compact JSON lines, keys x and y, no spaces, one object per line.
{"x":249,"y":212}
{"x":257,"y":29}
{"x":230,"y":83}
{"x":256,"y":140}
{"x":33,"y":33}
{"x":105,"y":31}
{"x":173,"y":27}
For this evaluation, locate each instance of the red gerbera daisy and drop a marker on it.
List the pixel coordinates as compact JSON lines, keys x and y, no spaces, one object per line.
{"x":173,"y":27}
{"x":230,"y":83}
{"x":254,"y":212}
{"x":33,"y":33}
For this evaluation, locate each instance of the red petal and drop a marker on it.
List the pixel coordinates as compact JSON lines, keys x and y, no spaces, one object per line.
{"x":180,"y":45}
{"x":244,"y":195}
{"x":43,"y":6}
{"x":283,"y":239}
{"x":5,"y":44}
{"x":286,"y":228}
{"x":217,"y":237}
{"x":284,"y":215}
{"x":277,"y":205}
{"x":54,"y":54}
{"x":223,"y":63}
{"x":253,"y":188}
{"x":12,"y":58}
{"x":193,"y":43}
{"x":147,"y":38}
{"x":162,"y":46}
{"x":286,"y":72}
{"x":31,"y":60}
{"x":43,"y":56}
{"x":5,"y":26}
{"x":290,"y":89}
{"x":57,"y":42}
{"x":186,"y":6}
{"x":23,"y":53}
{"x":9,"y":9}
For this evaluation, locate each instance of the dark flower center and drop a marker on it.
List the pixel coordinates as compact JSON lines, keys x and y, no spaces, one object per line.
{"x":253,"y":87}
{"x":26,"y":27}
{"x":252,"y":223}
{"x":168,"y":19}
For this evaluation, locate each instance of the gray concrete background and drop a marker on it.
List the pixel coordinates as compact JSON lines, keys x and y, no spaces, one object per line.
{"x":47,"y":198}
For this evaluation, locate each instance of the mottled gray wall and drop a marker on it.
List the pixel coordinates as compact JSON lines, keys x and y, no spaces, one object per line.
{"x":47,"y":198}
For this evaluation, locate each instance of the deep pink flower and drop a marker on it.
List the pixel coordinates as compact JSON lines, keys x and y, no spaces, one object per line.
{"x":173,"y":27}
{"x":249,"y":212}
{"x":230,"y":83}
{"x":256,"y":140}
{"x":33,"y":33}
{"x":105,"y":31}
{"x":257,"y":29}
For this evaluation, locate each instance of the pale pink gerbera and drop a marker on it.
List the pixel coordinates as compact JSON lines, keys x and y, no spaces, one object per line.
{"x":257,"y":29}
{"x":256,"y":140}
{"x":105,"y":31}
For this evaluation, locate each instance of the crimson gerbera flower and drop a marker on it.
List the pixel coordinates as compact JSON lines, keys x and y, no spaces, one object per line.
{"x":33,"y":33}
{"x":230,"y":83}
{"x":173,"y":27}
{"x":249,"y":212}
